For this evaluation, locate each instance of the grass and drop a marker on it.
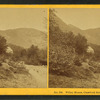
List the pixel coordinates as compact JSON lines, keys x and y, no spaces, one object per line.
{"x":56,"y":81}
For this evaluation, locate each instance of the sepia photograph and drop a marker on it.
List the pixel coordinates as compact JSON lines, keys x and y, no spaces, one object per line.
{"x":23,"y":48}
{"x":74,"y":43}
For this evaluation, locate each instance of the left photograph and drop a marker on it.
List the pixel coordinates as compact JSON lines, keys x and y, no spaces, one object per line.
{"x":23,"y":48}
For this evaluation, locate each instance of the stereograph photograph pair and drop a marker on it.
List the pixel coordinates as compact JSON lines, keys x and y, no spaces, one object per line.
{"x":55,"y":48}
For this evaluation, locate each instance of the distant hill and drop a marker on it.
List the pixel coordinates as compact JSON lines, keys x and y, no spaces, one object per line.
{"x":92,"y":35}
{"x":25,"y":37}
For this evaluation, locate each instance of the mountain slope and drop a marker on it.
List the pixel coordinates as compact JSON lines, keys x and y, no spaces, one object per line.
{"x":63,"y":26}
{"x":92,"y":35}
{"x":25,"y":37}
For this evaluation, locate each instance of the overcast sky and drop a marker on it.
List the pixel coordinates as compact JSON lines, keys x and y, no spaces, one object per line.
{"x":83,"y":18}
{"x":23,"y":18}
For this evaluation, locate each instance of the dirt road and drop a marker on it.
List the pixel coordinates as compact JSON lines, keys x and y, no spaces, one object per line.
{"x":40,"y":75}
{"x":36,"y":79}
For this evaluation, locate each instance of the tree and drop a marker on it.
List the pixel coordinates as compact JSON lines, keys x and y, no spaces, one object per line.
{"x":42,"y":56}
{"x":3,"y":45}
{"x":32,"y":55}
{"x":80,"y":44}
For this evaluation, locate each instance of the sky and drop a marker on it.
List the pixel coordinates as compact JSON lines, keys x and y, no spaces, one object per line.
{"x":11,"y":18}
{"x":84,"y":18}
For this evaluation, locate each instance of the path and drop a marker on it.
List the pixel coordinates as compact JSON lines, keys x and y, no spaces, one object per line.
{"x":40,"y":75}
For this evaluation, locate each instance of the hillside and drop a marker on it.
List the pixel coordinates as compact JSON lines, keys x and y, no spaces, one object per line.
{"x":25,"y":37}
{"x":72,"y":63}
{"x":92,"y":35}
{"x":63,"y":26}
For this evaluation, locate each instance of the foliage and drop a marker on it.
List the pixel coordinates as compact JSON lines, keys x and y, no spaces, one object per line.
{"x":3,"y":45}
{"x":66,"y":49}
{"x":80,"y":44}
{"x":32,"y":55}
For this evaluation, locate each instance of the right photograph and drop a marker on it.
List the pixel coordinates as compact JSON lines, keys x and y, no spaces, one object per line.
{"x":74,"y":48}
